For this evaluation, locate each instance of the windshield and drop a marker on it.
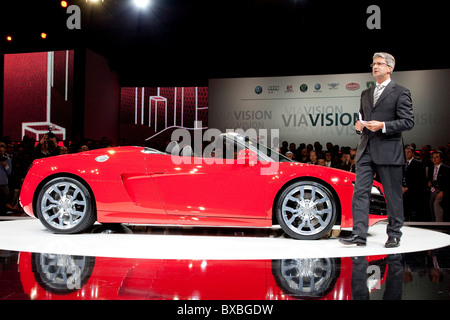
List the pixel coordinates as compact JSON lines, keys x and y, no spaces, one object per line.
{"x":262,"y":150}
{"x":226,"y":146}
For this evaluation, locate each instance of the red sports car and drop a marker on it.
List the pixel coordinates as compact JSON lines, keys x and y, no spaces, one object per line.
{"x":241,"y":183}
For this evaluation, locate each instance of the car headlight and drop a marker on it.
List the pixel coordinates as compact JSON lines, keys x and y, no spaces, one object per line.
{"x":374,"y":191}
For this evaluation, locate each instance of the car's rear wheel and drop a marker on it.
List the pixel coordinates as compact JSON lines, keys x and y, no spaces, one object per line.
{"x":65,"y":205}
{"x":306,"y":210}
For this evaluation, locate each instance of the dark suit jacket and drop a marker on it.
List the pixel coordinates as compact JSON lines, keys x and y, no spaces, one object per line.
{"x":415,"y":179}
{"x":442,"y":182}
{"x":394,"y":107}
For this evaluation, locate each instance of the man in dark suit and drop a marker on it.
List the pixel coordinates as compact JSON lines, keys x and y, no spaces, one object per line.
{"x":414,"y":188}
{"x":386,"y":111}
{"x":438,"y":182}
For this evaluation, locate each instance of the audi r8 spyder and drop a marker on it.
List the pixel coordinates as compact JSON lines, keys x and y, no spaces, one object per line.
{"x":238,"y":183}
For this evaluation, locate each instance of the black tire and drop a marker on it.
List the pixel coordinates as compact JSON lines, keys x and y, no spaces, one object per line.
{"x":306,"y":210}
{"x":65,"y":205}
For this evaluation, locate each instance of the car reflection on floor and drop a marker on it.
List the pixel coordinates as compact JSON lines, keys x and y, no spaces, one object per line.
{"x":56,"y":276}
{"x":48,"y":276}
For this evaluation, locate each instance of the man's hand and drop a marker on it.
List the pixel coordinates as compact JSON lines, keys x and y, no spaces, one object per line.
{"x":359,"y":126}
{"x":374,"y":125}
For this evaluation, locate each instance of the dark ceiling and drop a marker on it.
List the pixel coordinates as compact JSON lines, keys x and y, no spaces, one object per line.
{"x":187,"y":42}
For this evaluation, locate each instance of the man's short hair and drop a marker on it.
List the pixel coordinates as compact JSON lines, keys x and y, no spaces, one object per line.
{"x":390,"y":60}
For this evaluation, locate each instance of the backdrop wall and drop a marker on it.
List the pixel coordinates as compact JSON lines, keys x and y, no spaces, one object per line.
{"x":325,"y":107}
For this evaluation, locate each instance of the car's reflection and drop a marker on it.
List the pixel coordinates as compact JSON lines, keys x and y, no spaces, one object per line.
{"x":309,"y":278}
{"x":56,"y":276}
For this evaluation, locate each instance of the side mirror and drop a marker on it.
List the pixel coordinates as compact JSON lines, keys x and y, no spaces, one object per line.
{"x":248,"y":157}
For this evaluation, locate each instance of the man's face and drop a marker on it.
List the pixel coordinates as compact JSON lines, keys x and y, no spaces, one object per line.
{"x":380,"y":69}
{"x":436,"y":159}
{"x":408,"y":153}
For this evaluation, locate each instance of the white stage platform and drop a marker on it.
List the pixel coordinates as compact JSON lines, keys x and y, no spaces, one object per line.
{"x":29,"y":235}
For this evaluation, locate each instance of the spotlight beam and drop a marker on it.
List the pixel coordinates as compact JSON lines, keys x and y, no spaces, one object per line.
{"x":141,"y":4}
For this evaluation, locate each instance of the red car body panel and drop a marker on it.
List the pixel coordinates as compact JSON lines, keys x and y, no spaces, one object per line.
{"x":133,"y":186}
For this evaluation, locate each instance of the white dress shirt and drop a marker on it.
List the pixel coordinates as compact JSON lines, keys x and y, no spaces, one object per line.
{"x":383,"y":86}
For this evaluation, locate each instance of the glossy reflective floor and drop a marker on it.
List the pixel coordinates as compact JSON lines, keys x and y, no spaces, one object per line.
{"x":411,"y":275}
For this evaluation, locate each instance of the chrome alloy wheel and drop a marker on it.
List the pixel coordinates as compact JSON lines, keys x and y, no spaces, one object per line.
{"x":305,"y":278}
{"x":307,"y":210}
{"x":64,"y":205}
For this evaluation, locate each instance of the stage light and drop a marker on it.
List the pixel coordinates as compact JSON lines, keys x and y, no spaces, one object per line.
{"x":64,"y":4}
{"x":43,"y":35}
{"x":94,"y":1}
{"x":141,"y":3}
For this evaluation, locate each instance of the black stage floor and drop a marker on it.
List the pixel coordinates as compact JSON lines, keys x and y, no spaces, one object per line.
{"x":422,"y":275}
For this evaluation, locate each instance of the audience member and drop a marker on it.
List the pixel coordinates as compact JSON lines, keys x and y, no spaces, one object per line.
{"x":414,"y":191}
{"x":328,"y":158}
{"x":47,"y":147}
{"x":290,"y":155}
{"x":321,"y":160}
{"x":318,"y":147}
{"x":352,"y":160}
{"x":298,"y":151}
{"x":63,"y":150}
{"x":5,"y":172}
{"x":304,"y":156}
{"x":425,"y":155}
{"x":284,"y":147}
{"x":329,"y":146}
{"x":292,"y":148}
{"x":438,"y":182}
{"x":312,"y":157}
{"x":83,"y":148}
{"x":344,"y":163}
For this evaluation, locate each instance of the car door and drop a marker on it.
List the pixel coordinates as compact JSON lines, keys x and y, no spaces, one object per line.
{"x":196,"y":186}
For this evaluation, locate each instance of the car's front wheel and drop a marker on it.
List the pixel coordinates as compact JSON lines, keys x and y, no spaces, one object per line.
{"x":65,"y":205}
{"x":306,"y":210}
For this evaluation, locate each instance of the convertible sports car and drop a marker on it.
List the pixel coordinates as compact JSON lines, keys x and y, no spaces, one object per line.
{"x":241,"y":183}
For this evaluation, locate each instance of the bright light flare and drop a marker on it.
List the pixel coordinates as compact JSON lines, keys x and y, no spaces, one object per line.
{"x":141,"y":3}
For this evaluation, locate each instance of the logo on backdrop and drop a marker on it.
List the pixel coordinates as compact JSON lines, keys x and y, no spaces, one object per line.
{"x":258,"y":90}
{"x":317,"y":87}
{"x":352,"y":86}
{"x":333,"y":85}
{"x":289,"y":88}
{"x":370,"y":84}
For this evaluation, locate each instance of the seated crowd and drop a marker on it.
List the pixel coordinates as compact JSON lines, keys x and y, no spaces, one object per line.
{"x":425,"y":190}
